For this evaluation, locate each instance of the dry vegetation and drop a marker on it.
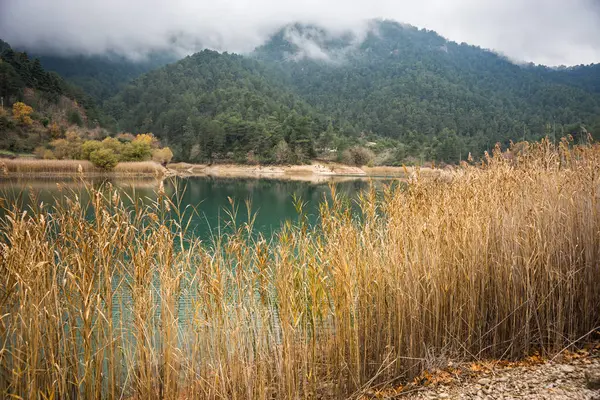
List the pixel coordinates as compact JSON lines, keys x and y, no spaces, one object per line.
{"x":71,"y":168}
{"x":499,"y":261}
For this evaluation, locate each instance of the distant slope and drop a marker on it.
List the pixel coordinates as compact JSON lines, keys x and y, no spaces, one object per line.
{"x":19,"y":71}
{"x":407,"y":83}
{"x":211,"y":104}
{"x":102,"y":77}
{"x":308,"y":90}
{"x":56,"y":105}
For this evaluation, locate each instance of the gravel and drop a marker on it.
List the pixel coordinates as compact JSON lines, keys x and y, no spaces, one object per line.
{"x":575,"y":379}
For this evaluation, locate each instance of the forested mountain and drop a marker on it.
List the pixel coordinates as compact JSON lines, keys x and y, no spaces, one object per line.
{"x":18,"y":72}
{"x":102,"y":77}
{"x":220,"y":105}
{"x":43,"y":105}
{"x":415,"y":86}
{"x":431,"y":98}
{"x":406,"y":94}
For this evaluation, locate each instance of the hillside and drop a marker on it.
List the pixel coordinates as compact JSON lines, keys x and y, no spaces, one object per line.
{"x":213,"y":105}
{"x":392,"y":94}
{"x":415,"y":86}
{"x":409,"y":93}
{"x":49,"y":105}
{"x":101,"y":77}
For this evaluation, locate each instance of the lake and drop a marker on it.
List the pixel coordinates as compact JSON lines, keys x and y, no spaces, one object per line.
{"x":205,"y":199}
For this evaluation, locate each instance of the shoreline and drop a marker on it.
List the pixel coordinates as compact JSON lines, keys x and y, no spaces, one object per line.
{"x":315,"y":172}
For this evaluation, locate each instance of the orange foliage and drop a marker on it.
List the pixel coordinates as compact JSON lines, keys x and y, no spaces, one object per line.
{"x":22,"y":112}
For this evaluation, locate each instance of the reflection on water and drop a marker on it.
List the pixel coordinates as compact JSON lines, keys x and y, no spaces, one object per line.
{"x":205,"y":199}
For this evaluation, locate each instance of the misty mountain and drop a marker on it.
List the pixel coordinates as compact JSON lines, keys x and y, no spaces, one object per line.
{"x":102,"y":77}
{"x":55,"y":104}
{"x":19,"y":71}
{"x":432,"y":98}
{"x":399,"y":81}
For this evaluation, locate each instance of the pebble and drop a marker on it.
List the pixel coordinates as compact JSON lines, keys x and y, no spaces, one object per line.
{"x":577,"y":380}
{"x":569,"y":369}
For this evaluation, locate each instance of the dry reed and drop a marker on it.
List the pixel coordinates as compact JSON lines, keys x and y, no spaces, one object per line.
{"x":499,"y":260}
{"x":29,"y":167}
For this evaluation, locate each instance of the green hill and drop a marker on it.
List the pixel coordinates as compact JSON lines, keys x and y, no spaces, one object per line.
{"x":435,"y":96}
{"x":405,"y":93}
{"x":101,"y":77}
{"x":219,"y":105}
{"x":411,"y":92}
{"x":56,"y":104}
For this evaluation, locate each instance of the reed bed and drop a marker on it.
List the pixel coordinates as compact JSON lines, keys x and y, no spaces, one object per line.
{"x":31,"y":167}
{"x":499,"y":260}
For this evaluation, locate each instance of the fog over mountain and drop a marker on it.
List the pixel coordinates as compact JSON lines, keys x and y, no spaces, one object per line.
{"x":551,"y":32}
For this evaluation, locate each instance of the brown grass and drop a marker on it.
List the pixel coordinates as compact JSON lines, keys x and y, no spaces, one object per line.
{"x":49,"y":168}
{"x":499,"y":260}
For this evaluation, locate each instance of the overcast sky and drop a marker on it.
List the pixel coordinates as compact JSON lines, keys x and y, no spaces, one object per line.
{"x":551,"y":32}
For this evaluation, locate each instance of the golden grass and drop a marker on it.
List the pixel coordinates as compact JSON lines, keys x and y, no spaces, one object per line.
{"x":140,"y":168}
{"x":498,"y":260}
{"x":24,"y":167}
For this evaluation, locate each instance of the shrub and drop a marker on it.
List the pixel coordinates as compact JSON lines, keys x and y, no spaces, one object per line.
{"x":39,"y":151}
{"x":55,"y":130}
{"x":104,"y":158}
{"x":48,"y":155}
{"x":126,"y":137}
{"x":163,"y":156}
{"x":113,"y":144}
{"x":7,"y":154}
{"x":358,"y":156}
{"x":69,"y":147}
{"x":6,"y":123}
{"x":88,"y":147}
{"x":147,"y":138}
{"x":136,"y":151}
{"x":283,"y":155}
{"x":22,"y":113}
{"x":75,"y":118}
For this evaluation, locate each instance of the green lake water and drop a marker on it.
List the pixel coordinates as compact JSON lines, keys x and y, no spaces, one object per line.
{"x":271,"y":199}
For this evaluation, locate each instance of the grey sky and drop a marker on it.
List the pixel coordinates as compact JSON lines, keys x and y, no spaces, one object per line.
{"x":551,"y":32}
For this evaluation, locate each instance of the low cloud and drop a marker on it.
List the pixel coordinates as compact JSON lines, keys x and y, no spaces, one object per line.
{"x":552,"y":32}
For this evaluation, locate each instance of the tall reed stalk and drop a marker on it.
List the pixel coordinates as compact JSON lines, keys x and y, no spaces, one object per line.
{"x":496,"y":260}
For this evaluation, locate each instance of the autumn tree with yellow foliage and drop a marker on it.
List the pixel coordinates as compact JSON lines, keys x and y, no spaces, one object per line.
{"x":21,"y":112}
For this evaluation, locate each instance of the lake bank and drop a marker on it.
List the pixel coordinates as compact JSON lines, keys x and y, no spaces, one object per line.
{"x":315,"y":172}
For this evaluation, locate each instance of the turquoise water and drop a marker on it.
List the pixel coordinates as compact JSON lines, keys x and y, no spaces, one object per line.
{"x":206,"y":200}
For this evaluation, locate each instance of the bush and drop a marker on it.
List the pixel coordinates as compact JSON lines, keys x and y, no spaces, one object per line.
{"x":6,"y":123}
{"x":357,"y":156}
{"x":113,"y":144}
{"x":75,"y":118}
{"x":22,"y":112}
{"x":69,"y":147}
{"x":163,"y":156}
{"x":104,"y":158}
{"x":283,"y":155}
{"x":137,"y":150}
{"x":48,"y":155}
{"x":7,"y":154}
{"x":88,"y":147}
